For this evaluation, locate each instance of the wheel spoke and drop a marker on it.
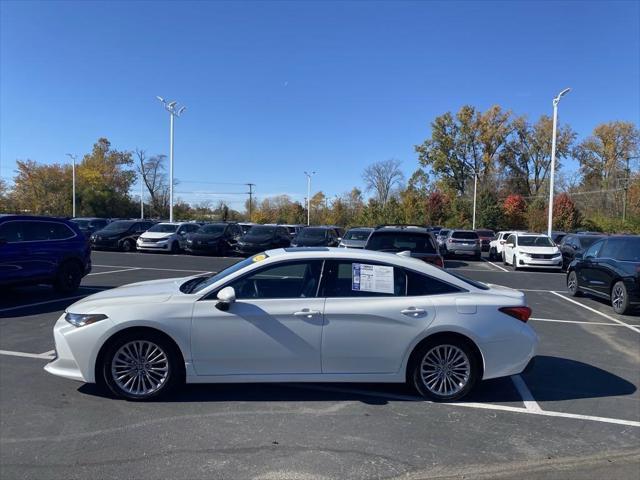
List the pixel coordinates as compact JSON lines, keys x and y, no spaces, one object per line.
{"x":140,"y":367}
{"x":445,"y":370}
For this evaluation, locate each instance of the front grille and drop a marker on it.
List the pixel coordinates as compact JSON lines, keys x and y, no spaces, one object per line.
{"x":542,"y":256}
{"x":151,"y":240}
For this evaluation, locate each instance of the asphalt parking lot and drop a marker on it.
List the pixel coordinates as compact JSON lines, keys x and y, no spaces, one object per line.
{"x":575,"y":415}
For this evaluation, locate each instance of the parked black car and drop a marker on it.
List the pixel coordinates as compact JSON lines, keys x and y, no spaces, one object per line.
{"x":214,"y":239}
{"x":263,"y":237}
{"x":90,"y":225}
{"x":37,"y":250}
{"x":120,"y":235}
{"x":401,"y":238}
{"x":574,"y":243}
{"x":610,"y":269}
{"x":316,"y":237}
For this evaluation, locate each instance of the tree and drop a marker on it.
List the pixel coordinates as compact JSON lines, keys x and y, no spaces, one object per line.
{"x":566,"y":216}
{"x":153,"y":174}
{"x":437,"y":208}
{"x":527,"y":156}
{"x":42,"y":189}
{"x":465,"y":145}
{"x":382,"y":177}
{"x":488,"y":212}
{"x":514,"y":209}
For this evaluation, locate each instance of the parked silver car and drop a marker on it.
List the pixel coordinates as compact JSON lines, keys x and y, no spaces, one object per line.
{"x":463,"y":242}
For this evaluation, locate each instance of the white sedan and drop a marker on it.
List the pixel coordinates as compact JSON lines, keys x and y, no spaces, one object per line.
{"x":298,"y":315}
{"x":531,"y":250}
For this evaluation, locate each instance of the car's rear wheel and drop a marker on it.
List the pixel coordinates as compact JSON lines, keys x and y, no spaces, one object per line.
{"x":620,"y":298}
{"x":128,"y":246}
{"x":572,"y":284}
{"x":175,"y":247}
{"x":68,"y":277}
{"x":141,"y":366}
{"x":445,"y":370}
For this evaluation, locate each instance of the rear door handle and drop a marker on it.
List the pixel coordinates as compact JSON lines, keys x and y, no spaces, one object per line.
{"x":413,"y":312}
{"x":305,"y":312}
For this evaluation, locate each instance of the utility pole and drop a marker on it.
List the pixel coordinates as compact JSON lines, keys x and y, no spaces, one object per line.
{"x":73,"y":188}
{"x":174,"y":111}
{"x":250,"y":185}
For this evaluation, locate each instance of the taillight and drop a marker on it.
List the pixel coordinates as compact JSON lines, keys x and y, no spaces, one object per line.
{"x":521,"y":313}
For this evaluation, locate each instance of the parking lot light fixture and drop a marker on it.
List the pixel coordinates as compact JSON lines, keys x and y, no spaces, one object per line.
{"x":174,"y":111}
{"x":309,"y":175}
{"x":556,"y":101}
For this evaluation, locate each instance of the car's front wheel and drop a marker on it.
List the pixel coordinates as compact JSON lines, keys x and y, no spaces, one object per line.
{"x":128,"y":246}
{"x":619,"y":298}
{"x":572,"y":284}
{"x":515,"y":263}
{"x":445,"y":370}
{"x":141,"y":366}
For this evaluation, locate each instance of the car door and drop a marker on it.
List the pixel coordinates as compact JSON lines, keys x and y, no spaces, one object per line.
{"x":273,"y":327}
{"x":14,"y":252}
{"x":585,"y":269}
{"x":509,"y":247}
{"x":369,"y":320}
{"x":603,"y":269}
{"x":567,"y":248}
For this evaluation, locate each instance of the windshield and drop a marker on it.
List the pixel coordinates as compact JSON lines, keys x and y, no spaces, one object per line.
{"x":261,"y":230}
{"x":118,"y":226}
{"x":212,"y":229}
{"x":163,"y":228}
{"x":357,"y":234}
{"x":207,"y":281}
{"x":401,"y":241}
{"x":313,"y":233}
{"x":81,"y":223}
{"x":586,"y":242}
{"x":540,"y":241}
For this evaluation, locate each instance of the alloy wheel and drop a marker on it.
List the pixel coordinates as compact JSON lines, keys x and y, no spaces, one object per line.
{"x":140,"y":368}
{"x":445,"y":370}
{"x":617,"y":298}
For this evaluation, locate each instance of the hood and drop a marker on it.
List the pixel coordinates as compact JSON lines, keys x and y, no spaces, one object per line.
{"x":153,"y":291}
{"x":547,"y":250}
{"x":156,"y":235}
{"x":257,"y":238}
{"x":205,"y":236}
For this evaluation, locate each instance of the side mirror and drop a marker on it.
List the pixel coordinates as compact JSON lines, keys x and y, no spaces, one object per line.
{"x":226,"y":297}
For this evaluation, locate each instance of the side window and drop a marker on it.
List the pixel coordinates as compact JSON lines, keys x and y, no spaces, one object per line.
{"x":59,"y":231}
{"x":288,"y":280}
{"x":340,"y":281}
{"x":511,"y":239}
{"x":594,"y":250}
{"x":12,"y":232}
{"x":611,"y":248}
{"x":40,"y":231}
{"x":418,"y":285}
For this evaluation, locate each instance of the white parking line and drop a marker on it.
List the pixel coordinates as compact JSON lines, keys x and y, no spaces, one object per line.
{"x":50,"y":352}
{"x":630,"y":327}
{"x":157,"y":269}
{"x":114,"y":271}
{"x":527,"y":398}
{"x":497,"y":266}
{"x":577,"y":321}
{"x":42,"y":356}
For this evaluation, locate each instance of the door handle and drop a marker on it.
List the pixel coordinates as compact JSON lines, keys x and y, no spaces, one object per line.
{"x":305,"y":312}
{"x":413,"y":311}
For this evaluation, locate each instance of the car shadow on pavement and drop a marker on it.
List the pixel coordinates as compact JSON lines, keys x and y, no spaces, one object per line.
{"x":40,"y":299}
{"x":552,"y":378}
{"x":453,"y":264}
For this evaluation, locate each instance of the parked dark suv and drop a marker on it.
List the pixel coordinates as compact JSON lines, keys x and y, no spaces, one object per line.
{"x":406,"y":238}
{"x":575,"y":243}
{"x":120,"y":235}
{"x":263,"y":237}
{"x":316,"y":237}
{"x":37,"y":250}
{"x":214,"y":238}
{"x":90,"y":225}
{"x":610,"y":269}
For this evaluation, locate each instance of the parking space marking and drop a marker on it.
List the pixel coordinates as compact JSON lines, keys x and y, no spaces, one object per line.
{"x":577,"y":321}
{"x":42,"y":356}
{"x":497,"y":266}
{"x":114,"y":271}
{"x":527,"y":398}
{"x":630,"y":327}
{"x":157,"y":269}
{"x":480,"y":406}
{"x":50,"y":352}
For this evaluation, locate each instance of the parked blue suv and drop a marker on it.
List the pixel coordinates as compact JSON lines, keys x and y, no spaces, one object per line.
{"x":37,"y":250}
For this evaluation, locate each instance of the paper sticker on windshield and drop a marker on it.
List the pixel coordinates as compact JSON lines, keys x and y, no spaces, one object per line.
{"x":372,"y":278}
{"x":259,"y":258}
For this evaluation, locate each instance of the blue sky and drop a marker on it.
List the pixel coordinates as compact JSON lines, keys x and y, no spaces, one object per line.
{"x":276,"y":88}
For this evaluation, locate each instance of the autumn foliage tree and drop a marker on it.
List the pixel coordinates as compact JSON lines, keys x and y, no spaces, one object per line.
{"x":566,"y":216}
{"x":514,"y":209}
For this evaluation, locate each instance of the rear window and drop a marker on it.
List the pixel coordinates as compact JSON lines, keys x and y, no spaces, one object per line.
{"x":473,"y":283}
{"x":401,"y":241}
{"x":465,"y":235}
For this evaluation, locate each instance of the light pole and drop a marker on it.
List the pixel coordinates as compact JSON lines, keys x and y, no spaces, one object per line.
{"x":475,"y":189}
{"x":174,"y":111}
{"x":309,"y":175}
{"x":141,"y":196}
{"x":73,"y":187}
{"x":553,"y":157}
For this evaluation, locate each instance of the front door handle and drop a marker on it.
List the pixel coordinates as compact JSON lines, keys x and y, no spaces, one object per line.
{"x":305,"y":312}
{"x":413,"y":311}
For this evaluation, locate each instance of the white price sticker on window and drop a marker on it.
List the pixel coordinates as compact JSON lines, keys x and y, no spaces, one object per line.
{"x":372,"y":278}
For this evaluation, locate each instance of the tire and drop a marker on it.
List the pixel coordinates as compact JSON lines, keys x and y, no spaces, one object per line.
{"x":68,"y":277}
{"x":504,"y":258}
{"x":175,"y":247}
{"x":149,"y":346}
{"x":128,"y":246}
{"x":492,"y":254}
{"x":432,"y":356}
{"x":515,"y":263}
{"x":572,"y":284}
{"x":620,"y":298}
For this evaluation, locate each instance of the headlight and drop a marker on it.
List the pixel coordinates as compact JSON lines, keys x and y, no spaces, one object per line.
{"x":524,"y":254}
{"x":80,"y":319}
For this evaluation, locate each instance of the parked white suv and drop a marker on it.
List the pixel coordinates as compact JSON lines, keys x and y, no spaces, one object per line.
{"x":165,"y":237}
{"x":531,"y":250}
{"x":497,"y":244}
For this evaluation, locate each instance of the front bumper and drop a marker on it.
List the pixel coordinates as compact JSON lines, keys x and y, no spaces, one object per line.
{"x":525,"y":262}
{"x":162,"y":246}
